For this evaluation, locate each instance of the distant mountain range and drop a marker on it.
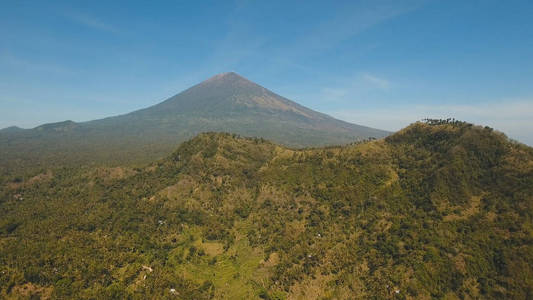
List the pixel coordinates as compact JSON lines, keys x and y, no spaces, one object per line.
{"x":224,"y":103}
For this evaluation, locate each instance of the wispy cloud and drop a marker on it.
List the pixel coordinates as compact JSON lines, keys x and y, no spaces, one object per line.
{"x":333,"y":93}
{"x":237,"y":44}
{"x":242,"y":41}
{"x":91,"y":22}
{"x":350,"y":21}
{"x":378,"y":82}
{"x":345,"y":89}
{"x":513,"y":117}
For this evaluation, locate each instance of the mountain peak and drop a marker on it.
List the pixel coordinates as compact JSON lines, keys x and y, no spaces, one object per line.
{"x":232,"y":103}
{"x":227,"y":77}
{"x":227,"y":74}
{"x":229,"y":94}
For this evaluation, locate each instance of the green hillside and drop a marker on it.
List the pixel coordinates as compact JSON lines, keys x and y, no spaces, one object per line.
{"x":439,"y":210}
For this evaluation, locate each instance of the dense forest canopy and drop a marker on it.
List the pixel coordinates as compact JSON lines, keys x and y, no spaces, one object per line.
{"x":441,"y":209}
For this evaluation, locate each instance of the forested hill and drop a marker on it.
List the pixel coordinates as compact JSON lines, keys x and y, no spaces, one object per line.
{"x":437,"y":210}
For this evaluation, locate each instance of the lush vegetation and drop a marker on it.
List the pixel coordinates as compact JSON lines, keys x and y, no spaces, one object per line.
{"x":442,"y":209}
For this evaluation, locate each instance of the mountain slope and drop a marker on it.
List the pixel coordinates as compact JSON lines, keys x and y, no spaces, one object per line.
{"x":441,"y":210}
{"x":226,"y":102}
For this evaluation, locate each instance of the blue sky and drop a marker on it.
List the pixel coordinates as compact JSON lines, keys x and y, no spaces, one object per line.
{"x":379,"y":63}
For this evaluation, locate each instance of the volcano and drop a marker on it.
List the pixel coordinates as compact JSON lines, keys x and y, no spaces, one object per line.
{"x":226,"y":102}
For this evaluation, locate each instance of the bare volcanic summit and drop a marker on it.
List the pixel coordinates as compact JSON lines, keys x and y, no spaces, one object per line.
{"x":226,"y":102}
